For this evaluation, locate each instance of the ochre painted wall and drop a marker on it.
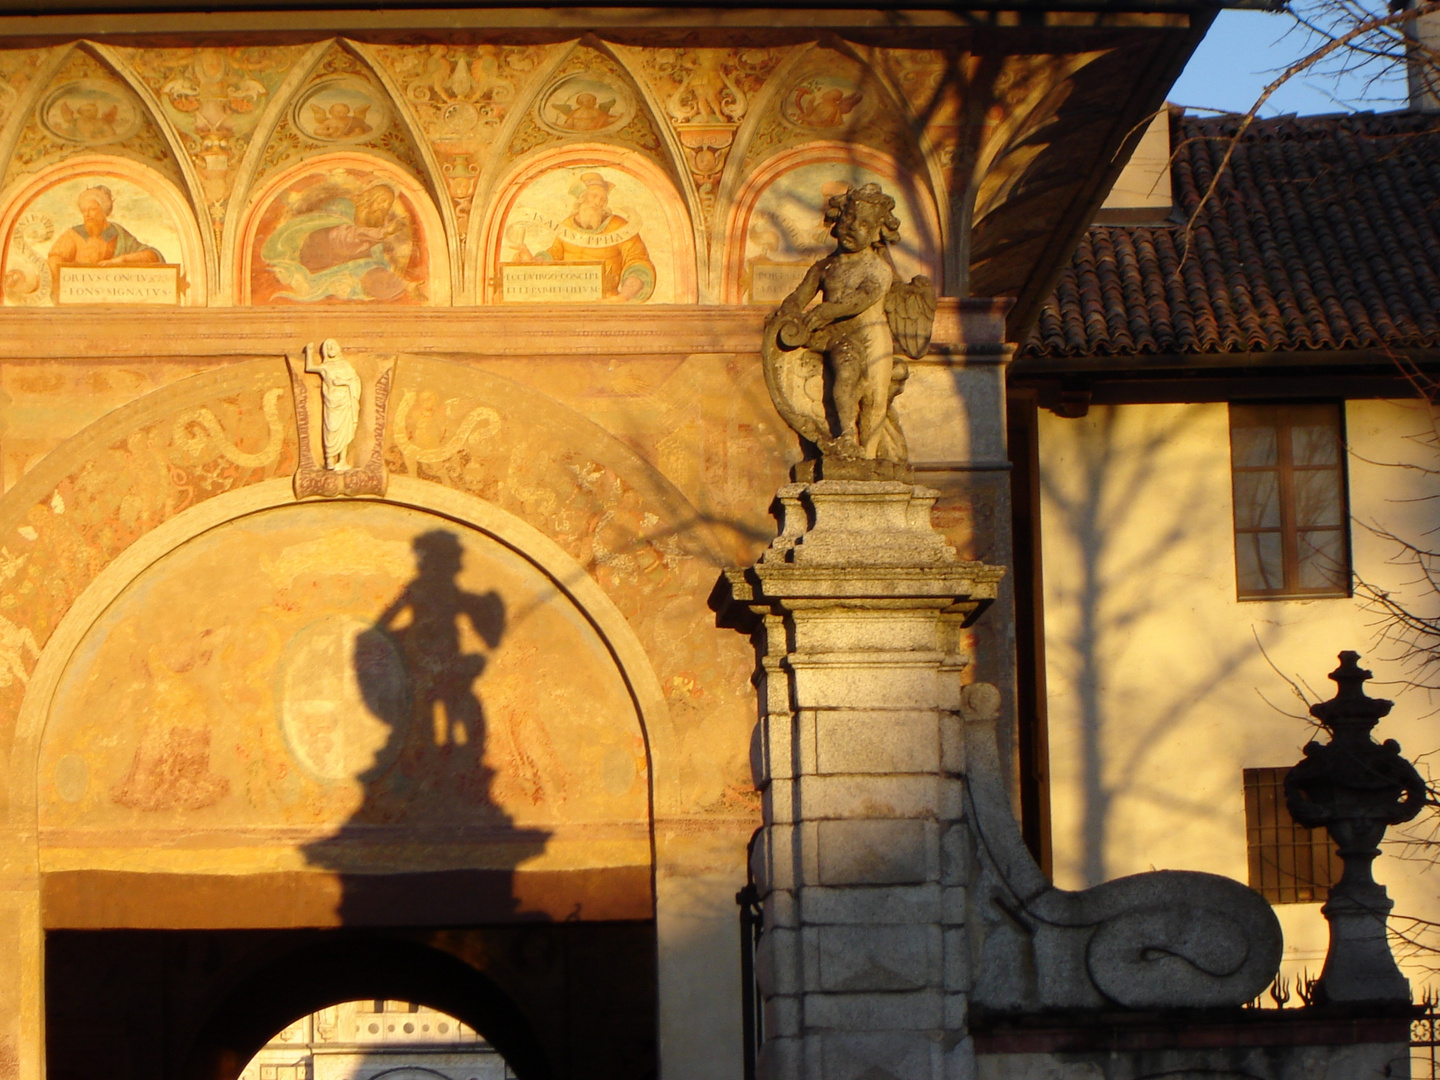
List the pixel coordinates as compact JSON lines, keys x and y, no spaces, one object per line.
{"x":1163,"y":686}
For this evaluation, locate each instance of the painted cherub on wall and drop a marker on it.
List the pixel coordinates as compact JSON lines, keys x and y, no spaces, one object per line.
{"x":863,"y":314}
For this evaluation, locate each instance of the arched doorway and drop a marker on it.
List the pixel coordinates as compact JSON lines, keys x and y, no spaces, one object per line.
{"x":554,"y":1000}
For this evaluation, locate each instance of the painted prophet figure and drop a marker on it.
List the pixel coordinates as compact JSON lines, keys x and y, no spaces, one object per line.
{"x":97,"y":241}
{"x":595,"y":233}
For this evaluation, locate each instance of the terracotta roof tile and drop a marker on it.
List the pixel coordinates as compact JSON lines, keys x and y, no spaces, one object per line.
{"x":1324,"y":233}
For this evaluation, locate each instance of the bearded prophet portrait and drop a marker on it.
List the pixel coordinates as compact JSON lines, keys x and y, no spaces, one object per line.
{"x":342,"y":236}
{"x":593,"y":218}
{"x":86,"y":222}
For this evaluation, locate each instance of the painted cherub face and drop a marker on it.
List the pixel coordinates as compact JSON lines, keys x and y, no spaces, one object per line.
{"x":859,"y":225}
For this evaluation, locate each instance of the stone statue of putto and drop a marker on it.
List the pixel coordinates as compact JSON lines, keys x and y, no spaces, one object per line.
{"x":832,"y":368}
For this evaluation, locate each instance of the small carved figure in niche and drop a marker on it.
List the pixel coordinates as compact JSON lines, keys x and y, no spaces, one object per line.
{"x":339,"y":399}
{"x":831,"y":369}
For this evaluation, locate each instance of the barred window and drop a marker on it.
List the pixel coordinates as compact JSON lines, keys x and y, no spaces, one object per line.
{"x":1288,"y":474}
{"x":1289,"y":864}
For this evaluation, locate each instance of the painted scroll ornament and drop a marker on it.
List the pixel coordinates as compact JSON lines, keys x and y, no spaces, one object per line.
{"x":353,"y":413}
{"x":832,"y":369}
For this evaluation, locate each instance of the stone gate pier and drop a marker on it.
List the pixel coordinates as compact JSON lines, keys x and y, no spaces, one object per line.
{"x":907,"y":931}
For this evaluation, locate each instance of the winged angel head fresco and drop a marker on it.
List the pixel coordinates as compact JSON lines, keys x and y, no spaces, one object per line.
{"x":832,"y":368}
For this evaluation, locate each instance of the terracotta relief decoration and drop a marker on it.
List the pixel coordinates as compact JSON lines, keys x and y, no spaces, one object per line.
{"x":461,"y":95}
{"x":586,"y":233}
{"x":107,"y":234}
{"x":214,"y":97}
{"x":348,"y":417}
{"x":706,"y":94}
{"x":346,"y":231}
{"x":780,"y":228}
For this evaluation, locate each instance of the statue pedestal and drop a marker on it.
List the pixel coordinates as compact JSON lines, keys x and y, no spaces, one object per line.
{"x":1359,"y":966}
{"x":861,"y":865}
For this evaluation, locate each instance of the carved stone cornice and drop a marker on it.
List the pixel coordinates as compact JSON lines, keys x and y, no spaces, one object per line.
{"x":968,"y":329}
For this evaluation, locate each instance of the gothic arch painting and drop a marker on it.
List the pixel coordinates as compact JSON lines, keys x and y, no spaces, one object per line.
{"x":588,"y":224}
{"x":345,"y":228}
{"x":778,"y":225}
{"x":99,"y":230}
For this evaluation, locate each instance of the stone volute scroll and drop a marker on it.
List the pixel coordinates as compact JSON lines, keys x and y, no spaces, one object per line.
{"x":344,"y":453}
{"x":1355,"y":787}
{"x":835,"y":368}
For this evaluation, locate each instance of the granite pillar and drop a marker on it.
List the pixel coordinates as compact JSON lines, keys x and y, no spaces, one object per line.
{"x":862,"y":864}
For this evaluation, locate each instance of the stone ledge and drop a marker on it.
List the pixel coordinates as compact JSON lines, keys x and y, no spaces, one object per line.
{"x":1190,"y":1029}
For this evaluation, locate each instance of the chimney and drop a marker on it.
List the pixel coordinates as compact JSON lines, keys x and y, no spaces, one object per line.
{"x":1424,"y":60}
{"x":1142,"y":193}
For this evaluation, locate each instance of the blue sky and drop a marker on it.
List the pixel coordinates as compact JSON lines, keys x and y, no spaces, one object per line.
{"x":1244,"y":50}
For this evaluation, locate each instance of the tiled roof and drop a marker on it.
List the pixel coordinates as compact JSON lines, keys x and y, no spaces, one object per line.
{"x":1324,"y":233}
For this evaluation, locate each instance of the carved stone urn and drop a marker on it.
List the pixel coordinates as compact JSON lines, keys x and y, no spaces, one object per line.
{"x":1356,"y":788}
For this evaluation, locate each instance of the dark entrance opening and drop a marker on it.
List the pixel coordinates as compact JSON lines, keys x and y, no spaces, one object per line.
{"x":556,"y":1000}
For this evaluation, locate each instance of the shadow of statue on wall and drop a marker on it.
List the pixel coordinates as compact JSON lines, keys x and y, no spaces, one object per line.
{"x":428,"y":845}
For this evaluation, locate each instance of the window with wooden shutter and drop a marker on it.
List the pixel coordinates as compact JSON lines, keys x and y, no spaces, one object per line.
{"x":1292,"y":536}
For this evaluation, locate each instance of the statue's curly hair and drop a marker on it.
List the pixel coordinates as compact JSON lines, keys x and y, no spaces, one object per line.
{"x":866,"y":193}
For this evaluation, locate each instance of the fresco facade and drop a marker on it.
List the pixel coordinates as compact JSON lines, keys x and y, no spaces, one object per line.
{"x":447,"y":128}
{"x":585,"y":233}
{"x":506,"y":659}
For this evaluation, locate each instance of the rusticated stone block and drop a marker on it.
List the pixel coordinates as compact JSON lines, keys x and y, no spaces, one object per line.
{"x":863,"y":958}
{"x":782,"y":1016}
{"x":846,"y":630}
{"x":780,"y":1058}
{"x":856,"y":797}
{"x":876,"y":1056}
{"x":957,"y":855}
{"x":889,"y":904}
{"x":957,"y":960}
{"x":920,"y":1010}
{"x":876,"y":852}
{"x":777,"y":962}
{"x":869,"y":680}
{"x":896,"y":742}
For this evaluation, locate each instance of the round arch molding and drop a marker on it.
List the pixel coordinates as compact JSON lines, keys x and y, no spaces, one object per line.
{"x":582,"y":853}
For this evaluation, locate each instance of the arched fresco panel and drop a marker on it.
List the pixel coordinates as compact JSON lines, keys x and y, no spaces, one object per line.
{"x":343,"y":228}
{"x":588,"y":224}
{"x":778,"y":227}
{"x":351,"y":677}
{"x":99,"y":230}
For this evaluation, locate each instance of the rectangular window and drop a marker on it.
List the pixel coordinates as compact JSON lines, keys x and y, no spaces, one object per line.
{"x":1288,"y":864}
{"x":1287,"y":466}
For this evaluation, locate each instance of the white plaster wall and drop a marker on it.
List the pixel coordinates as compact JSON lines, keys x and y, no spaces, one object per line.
{"x":1159,"y":691}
